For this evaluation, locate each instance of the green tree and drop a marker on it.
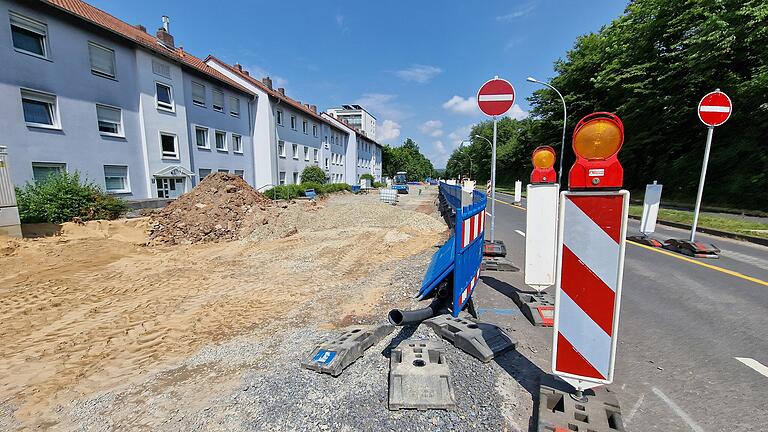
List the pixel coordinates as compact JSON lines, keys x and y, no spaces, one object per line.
{"x":313,"y":174}
{"x":409,"y":158}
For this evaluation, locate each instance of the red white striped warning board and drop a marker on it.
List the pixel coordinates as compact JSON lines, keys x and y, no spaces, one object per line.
{"x":471,"y":228}
{"x":592,"y":230}
{"x":469,"y":288}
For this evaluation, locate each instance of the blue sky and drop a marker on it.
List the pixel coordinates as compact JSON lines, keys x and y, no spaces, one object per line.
{"x":415,"y":65}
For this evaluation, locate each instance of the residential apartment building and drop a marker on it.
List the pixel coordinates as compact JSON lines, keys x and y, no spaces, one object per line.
{"x":357,"y":117}
{"x":92,"y":94}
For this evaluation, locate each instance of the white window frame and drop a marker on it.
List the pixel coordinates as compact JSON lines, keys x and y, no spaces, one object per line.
{"x":314,"y":130}
{"x":207,"y":145}
{"x":293,"y":122}
{"x":29,"y":24}
{"x":127,"y":188}
{"x":120,"y":130}
{"x":162,"y":105}
{"x":281,"y":148}
{"x":240,"y":173}
{"x":216,"y":134}
{"x":200,"y":175}
{"x":316,"y":155}
{"x":295,"y":151}
{"x":223,"y":171}
{"x":237,"y":139}
{"x":59,"y":165}
{"x":305,"y":127}
{"x":234,"y":102}
{"x":281,"y":178}
{"x":306,"y":154}
{"x":114,"y":60}
{"x":202,"y":103}
{"x":279,"y":117}
{"x":175,"y":144}
{"x":215,"y":91}
{"x":296,"y":178}
{"x":44,"y":97}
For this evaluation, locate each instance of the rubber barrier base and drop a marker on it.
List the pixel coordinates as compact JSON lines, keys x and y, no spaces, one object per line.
{"x":497,"y":264}
{"x":693,"y":249}
{"x":645,"y":240}
{"x":494,"y":249}
{"x":334,"y":354}
{"x":597,"y":411}
{"x":481,"y":340}
{"x":419,"y":377}
{"x":538,"y":307}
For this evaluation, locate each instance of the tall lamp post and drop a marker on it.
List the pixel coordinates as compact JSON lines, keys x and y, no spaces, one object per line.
{"x":565,"y":117}
{"x":461,"y":145}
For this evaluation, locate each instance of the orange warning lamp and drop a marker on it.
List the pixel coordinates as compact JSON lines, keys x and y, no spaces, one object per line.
{"x":543,"y":159}
{"x":597,"y":140}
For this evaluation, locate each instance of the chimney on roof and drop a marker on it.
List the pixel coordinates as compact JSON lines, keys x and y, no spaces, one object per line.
{"x":313,"y":108}
{"x":141,"y":27}
{"x":281,"y":90}
{"x":239,"y":67}
{"x":307,"y":107}
{"x":267,"y":82}
{"x":162,"y":33}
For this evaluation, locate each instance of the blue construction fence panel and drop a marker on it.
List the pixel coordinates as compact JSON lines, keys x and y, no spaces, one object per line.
{"x":439,"y":268}
{"x":452,"y":194}
{"x":470,"y":238}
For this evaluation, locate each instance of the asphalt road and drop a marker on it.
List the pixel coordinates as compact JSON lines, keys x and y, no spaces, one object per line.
{"x":682,"y":327}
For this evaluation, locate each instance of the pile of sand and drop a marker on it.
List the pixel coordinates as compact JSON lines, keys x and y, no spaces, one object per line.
{"x":221,"y":207}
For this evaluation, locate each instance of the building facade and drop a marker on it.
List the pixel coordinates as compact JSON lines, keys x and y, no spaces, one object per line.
{"x":357,"y":117}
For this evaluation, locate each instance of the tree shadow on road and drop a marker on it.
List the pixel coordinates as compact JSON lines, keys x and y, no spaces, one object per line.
{"x":502,"y":287}
{"x":528,"y":375}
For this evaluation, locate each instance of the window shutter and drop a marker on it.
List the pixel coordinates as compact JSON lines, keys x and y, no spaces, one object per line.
{"x":218,"y":99}
{"x":115,"y":171}
{"x":108,"y":114}
{"x":198,"y":93}
{"x":234,"y":106}
{"x":102,"y":60}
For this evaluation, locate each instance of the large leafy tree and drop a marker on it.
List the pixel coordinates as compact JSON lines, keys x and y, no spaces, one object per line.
{"x":407,"y":157}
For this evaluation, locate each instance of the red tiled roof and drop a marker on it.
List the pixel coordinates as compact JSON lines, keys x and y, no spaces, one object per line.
{"x":102,"y":19}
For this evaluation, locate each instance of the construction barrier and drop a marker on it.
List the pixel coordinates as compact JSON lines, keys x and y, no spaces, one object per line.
{"x":462,"y":255}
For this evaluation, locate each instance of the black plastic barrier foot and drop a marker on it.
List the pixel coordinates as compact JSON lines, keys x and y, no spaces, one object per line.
{"x":597,"y":410}
{"x":494,"y":249}
{"x":645,"y":240}
{"x":693,"y":248}
{"x":334,"y":354}
{"x":481,"y":340}
{"x":538,"y":307}
{"x":497,"y":264}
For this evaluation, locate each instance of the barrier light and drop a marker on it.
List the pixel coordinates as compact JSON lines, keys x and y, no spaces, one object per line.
{"x":597,"y":139}
{"x":543,"y":160}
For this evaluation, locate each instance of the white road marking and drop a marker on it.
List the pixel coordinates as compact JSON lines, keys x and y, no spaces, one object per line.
{"x":520,"y":232}
{"x":679,"y":411}
{"x":754,"y":364}
{"x":635,"y":407}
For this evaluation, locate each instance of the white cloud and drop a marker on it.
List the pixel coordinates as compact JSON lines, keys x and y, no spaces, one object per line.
{"x":441,"y":153}
{"x":517,"y":113}
{"x":387,"y":130}
{"x":460,"y":134}
{"x":432,"y":128}
{"x":381,"y":105}
{"x":419,"y":73}
{"x":462,"y":105}
{"x":259,"y":73}
{"x":520,"y":12}
{"x":340,"y":23}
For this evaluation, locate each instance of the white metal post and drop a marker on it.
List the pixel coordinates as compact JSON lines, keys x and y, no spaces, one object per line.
{"x":493,"y":182}
{"x":701,"y":183}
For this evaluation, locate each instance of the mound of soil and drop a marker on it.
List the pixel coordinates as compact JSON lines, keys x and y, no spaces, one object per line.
{"x":221,"y":207}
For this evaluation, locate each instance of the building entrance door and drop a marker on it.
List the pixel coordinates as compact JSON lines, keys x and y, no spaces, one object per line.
{"x":170,"y":187}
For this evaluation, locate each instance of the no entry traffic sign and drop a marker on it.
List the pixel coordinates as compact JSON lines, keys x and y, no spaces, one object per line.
{"x":496,"y":97}
{"x":715,"y":108}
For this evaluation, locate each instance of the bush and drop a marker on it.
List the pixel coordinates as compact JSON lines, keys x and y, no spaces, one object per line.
{"x":379,"y":185}
{"x":313,"y":174}
{"x":368,"y":177}
{"x":286,"y":192}
{"x":62,"y":197}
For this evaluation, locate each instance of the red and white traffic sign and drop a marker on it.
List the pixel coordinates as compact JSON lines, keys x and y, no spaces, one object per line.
{"x":496,"y":97}
{"x":715,"y":108}
{"x":592,"y":230}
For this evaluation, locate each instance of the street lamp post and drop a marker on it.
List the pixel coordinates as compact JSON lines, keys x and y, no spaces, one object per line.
{"x":565,"y":117}
{"x":461,"y":145}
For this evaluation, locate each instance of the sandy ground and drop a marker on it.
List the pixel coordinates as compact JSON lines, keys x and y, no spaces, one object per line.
{"x":95,"y":310}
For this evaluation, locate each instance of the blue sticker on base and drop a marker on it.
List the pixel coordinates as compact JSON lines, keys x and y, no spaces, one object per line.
{"x":324,"y":357}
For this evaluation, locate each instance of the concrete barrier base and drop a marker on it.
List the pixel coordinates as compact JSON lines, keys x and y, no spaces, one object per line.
{"x":538,"y":307}
{"x":481,"y":340}
{"x":597,"y":411}
{"x":419,"y":377}
{"x":497,"y":264}
{"x":333,"y":355}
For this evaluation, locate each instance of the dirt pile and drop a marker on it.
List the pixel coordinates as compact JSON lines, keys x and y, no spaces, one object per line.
{"x":221,"y":207}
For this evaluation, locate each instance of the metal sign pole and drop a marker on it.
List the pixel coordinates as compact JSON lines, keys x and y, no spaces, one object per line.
{"x":701,"y":183}
{"x":493,"y":183}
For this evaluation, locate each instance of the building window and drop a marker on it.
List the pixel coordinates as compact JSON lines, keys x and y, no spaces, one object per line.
{"x":317,"y":156}
{"x":295,"y":178}
{"x":225,"y":171}
{"x":279,"y":117}
{"x":204,"y":172}
{"x":109,"y":120}
{"x":29,"y":36}
{"x":237,"y":143}
{"x":304,"y":126}
{"x":306,"y":153}
{"x":201,"y":137}
{"x":168,"y":145}
{"x":198,"y":94}
{"x":293,"y":122}
{"x":314,"y":130}
{"x":218,"y":100}
{"x":221,"y":141}
{"x":42,"y":170}
{"x":234,"y":106}
{"x":116,"y":179}
{"x":295,"y":151}
{"x":326,"y":163}
{"x":281,"y":179}
{"x":281,"y":148}
{"x":240,"y":173}
{"x":102,"y":60}
{"x":39,"y":109}
{"x":161,"y":69}
{"x":164,"y":96}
